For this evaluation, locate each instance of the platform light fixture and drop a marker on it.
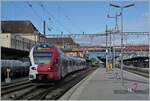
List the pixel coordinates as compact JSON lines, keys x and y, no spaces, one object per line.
{"x":121,"y":7}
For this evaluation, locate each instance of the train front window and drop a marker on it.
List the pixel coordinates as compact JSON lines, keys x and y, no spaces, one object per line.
{"x":42,"y":57}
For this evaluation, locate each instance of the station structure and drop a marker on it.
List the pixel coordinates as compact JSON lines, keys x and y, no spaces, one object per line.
{"x":120,"y":70}
{"x":17,"y":37}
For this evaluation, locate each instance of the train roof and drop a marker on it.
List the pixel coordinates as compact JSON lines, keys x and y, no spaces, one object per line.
{"x":76,"y":58}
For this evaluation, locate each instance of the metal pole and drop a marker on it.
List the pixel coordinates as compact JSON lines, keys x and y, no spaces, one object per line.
{"x":114,"y":64}
{"x":15,"y":41}
{"x":110,"y":53}
{"x":116,"y":20}
{"x":117,"y":15}
{"x":44,"y":29}
{"x":122,"y":46}
{"x":44,"y":25}
{"x":117,"y":6}
{"x":148,"y":52}
{"x":116,"y":27}
{"x":106,"y":48}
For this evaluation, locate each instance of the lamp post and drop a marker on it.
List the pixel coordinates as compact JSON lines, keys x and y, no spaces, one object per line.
{"x":121,"y":7}
{"x":106,"y":47}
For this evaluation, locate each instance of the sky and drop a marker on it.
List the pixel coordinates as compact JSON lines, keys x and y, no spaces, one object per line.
{"x":76,"y":16}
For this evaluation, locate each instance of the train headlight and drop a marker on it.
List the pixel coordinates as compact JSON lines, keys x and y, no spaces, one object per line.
{"x":49,"y":68}
{"x":33,"y":68}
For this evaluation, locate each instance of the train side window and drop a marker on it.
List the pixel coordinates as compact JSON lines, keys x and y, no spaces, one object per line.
{"x":66,"y":63}
{"x":70,"y":63}
{"x":77,"y":64}
{"x":63,"y":62}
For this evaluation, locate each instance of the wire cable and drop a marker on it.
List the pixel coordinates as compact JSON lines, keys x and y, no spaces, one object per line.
{"x":68,"y":18}
{"x":52,"y":17}
{"x":34,"y":11}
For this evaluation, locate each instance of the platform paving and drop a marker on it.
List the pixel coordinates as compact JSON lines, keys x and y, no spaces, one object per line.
{"x":103,"y":85}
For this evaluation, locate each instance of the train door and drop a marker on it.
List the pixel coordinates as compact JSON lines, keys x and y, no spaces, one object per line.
{"x":64,"y":67}
{"x":58,"y":62}
{"x":61,"y":66}
{"x":69,"y":67}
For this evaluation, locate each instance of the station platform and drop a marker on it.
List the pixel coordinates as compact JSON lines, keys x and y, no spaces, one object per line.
{"x":105,"y":85}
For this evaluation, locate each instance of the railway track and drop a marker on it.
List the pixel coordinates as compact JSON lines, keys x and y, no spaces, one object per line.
{"x":57,"y":93}
{"x":138,"y":71}
{"x":10,"y":91}
{"x":144,"y":74}
{"x":35,"y":93}
{"x":52,"y":92}
{"x":14,"y":81}
{"x":14,"y":87}
{"x":14,"y":84}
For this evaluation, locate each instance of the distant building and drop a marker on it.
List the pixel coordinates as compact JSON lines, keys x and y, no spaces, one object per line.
{"x":66,"y":43}
{"x":20,"y":35}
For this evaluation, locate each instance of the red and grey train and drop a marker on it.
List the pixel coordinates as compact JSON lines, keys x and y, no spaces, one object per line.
{"x":49,"y":63}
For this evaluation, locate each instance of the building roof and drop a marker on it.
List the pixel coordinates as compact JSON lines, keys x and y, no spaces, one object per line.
{"x":18,"y":26}
{"x":61,"y":41}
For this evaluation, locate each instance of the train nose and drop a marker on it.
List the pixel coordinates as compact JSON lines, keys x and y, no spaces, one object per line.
{"x":43,"y":68}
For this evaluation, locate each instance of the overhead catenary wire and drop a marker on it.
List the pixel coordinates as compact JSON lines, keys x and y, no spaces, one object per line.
{"x":37,"y":15}
{"x":75,"y":25}
{"x":48,"y":28}
{"x":49,"y":18}
{"x":52,"y":17}
{"x":54,"y":26}
{"x":34,"y":11}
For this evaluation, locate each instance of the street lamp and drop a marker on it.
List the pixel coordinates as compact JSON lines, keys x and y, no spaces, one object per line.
{"x":121,"y":7}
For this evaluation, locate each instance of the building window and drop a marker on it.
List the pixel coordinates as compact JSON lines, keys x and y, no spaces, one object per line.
{"x":13,"y":42}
